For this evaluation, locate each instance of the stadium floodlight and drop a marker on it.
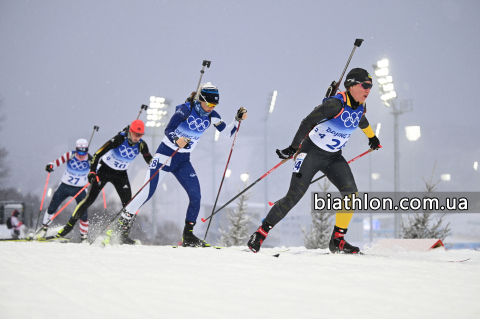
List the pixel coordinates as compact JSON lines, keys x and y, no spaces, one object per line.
{"x":382,"y":63}
{"x":475,"y":165}
{"x":375,"y":176}
{"x":217,"y":135}
{"x":272,"y":103}
{"x":381,"y":72}
{"x":387,"y":87}
{"x":388,"y":97}
{"x":244,"y":177}
{"x":413,"y":132}
{"x":49,"y":194}
{"x":228,"y":173}
{"x":445,"y":177}
{"x":156,"y":112}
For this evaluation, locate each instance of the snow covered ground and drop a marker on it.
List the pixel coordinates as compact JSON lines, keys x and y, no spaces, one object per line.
{"x":54,"y":280}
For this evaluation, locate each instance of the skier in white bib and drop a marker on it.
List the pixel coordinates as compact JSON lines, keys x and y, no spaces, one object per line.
{"x":73,"y":179}
{"x":333,"y":122}
{"x":184,"y":130}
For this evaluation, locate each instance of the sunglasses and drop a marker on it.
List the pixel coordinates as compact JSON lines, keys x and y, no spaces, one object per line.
{"x":82,"y":150}
{"x":365,"y":85}
{"x":210,"y":105}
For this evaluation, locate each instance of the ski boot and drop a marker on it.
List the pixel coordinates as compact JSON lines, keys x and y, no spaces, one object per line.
{"x":83,"y":238}
{"x":125,"y":240}
{"x":41,"y":233}
{"x":339,"y":245}
{"x":257,"y":238}
{"x":121,"y":225}
{"x":189,"y":239}
{"x":66,"y":229}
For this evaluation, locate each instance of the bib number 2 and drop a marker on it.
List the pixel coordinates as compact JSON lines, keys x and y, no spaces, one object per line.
{"x":336,"y":143}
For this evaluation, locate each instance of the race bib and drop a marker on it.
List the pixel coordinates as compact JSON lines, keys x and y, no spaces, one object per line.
{"x":298,"y":162}
{"x":158,"y":160}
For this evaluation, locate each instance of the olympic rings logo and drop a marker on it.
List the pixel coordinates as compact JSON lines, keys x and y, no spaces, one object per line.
{"x":77,"y":165}
{"x":128,"y":152}
{"x":351,"y":119}
{"x":197,"y":124}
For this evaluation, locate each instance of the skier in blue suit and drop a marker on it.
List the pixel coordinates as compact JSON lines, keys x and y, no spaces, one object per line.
{"x":184,"y":130}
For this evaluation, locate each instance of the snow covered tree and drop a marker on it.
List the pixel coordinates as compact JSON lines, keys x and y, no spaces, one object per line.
{"x":418,"y":225}
{"x":318,"y":236}
{"x":239,"y":224}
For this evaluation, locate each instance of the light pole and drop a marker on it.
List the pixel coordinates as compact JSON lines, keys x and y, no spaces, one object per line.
{"x":271,"y":107}
{"x":372,"y":176}
{"x":389,"y":96}
{"x":157,"y":118}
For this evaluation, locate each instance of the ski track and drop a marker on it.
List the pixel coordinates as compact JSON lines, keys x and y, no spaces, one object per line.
{"x":45,"y":280}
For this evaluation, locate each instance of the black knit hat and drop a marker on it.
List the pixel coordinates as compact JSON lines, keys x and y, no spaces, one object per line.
{"x":356,"y":75}
{"x":209,"y":93}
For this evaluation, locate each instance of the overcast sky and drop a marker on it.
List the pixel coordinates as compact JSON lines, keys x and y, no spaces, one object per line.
{"x":66,"y":66}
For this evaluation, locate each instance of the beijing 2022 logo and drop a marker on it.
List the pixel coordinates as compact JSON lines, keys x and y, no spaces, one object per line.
{"x":78,"y":166}
{"x":197,"y":124}
{"x":351,"y":119}
{"x":128,"y":152}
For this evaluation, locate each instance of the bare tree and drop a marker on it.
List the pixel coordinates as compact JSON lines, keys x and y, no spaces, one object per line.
{"x":239,"y":223}
{"x":318,"y":236}
{"x":417,"y":226}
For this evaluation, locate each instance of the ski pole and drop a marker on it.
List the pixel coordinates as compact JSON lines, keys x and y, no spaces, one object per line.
{"x":204,"y":64}
{"x":95,"y":128}
{"x":104,"y":201}
{"x":223,"y":178}
{"x":143,"y":107}
{"x":333,"y":88}
{"x":246,"y":189}
{"x":146,"y":183}
{"x":350,"y":161}
{"x":56,"y":214}
{"x":43,"y":197}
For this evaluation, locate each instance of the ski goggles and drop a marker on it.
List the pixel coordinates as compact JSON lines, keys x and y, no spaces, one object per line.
{"x":365,"y":85}
{"x":210,"y":105}
{"x":82,"y":151}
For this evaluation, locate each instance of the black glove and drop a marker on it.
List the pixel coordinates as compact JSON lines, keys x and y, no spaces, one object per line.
{"x":374,"y":143}
{"x":286,"y":153}
{"x":49,"y":168}
{"x":91,"y":177}
{"x":240,"y":113}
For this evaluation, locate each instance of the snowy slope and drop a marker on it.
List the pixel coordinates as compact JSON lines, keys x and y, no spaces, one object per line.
{"x":53,"y":280}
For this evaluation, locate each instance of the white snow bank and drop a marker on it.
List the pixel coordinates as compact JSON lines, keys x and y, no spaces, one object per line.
{"x":51,"y":280}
